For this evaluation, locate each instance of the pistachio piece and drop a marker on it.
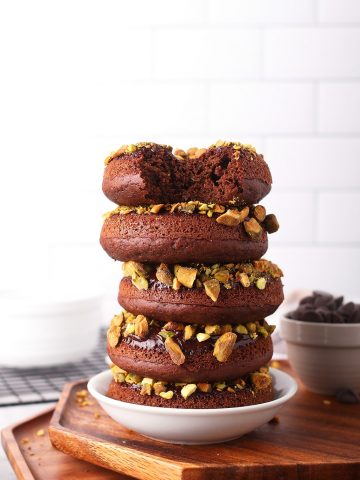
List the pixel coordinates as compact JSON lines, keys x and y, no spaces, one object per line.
{"x":259,"y":213}
{"x":167,"y":395}
{"x":231,"y":218}
{"x":113,"y":335}
{"x":212,"y":289}
{"x":176,"y":284}
{"x":173,"y":326}
{"x":220,"y":386}
{"x":240,"y":383}
{"x":189,"y":332}
{"x":230,"y":389}
{"x":117,"y":320}
{"x":253,"y":228}
{"x":262,"y":331}
{"x":244,"y":280}
{"x":130,"y":329}
{"x":261,"y":283}
{"x":188,"y":390}
{"x":118,"y":374}
{"x":212,"y":329}
{"x":241,"y":329}
{"x":164,"y":275}
{"x":224,"y":346}
{"x":260,"y":380}
{"x":174,"y":351}
{"x":222,"y":275}
{"x":185,"y":275}
{"x":271,"y":223}
{"x":204,"y":387}
{"x":159,"y":387}
{"x":140,"y":283}
{"x":132,"y":269}
{"x":202,"y":337}
{"x":132,"y":378}
{"x":156,"y":208}
{"x":180,"y":153}
{"x":146,"y":386}
{"x":218,"y":208}
{"x":141,"y":326}
{"x":251,"y":327}
{"x":145,"y":390}
{"x":147,"y":381}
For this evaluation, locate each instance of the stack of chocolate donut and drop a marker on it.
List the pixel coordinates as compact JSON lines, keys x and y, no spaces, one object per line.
{"x":195,"y":291}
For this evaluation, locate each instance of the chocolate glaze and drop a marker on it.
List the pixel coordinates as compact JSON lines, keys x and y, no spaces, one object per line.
{"x":235,"y":305}
{"x":149,"y":358}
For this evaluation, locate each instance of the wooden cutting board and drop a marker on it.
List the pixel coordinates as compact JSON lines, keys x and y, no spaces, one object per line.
{"x":34,"y":458}
{"x":312,"y":441}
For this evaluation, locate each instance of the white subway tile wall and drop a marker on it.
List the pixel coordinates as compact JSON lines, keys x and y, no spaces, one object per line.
{"x":81,"y":78}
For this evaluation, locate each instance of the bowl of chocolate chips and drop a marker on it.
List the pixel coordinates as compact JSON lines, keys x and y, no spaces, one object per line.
{"x":323,"y":342}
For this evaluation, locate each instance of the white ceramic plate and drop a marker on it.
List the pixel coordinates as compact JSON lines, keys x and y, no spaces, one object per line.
{"x":192,"y":426}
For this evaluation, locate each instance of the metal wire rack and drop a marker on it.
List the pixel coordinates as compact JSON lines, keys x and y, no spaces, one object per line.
{"x":37,"y":385}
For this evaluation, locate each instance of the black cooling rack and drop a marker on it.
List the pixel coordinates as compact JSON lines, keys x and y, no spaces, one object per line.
{"x":37,"y":385}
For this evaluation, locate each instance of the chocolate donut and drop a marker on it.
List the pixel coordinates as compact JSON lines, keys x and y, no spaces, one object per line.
{"x":250,"y":390}
{"x":147,"y":173}
{"x":235,"y":302}
{"x":148,"y":357}
{"x":179,"y":237}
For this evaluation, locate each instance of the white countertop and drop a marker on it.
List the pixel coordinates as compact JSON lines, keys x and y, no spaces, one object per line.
{"x":9,"y":416}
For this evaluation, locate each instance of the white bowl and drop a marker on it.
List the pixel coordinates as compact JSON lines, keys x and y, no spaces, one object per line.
{"x":45,"y":328}
{"x":325,"y":356}
{"x":192,"y":426}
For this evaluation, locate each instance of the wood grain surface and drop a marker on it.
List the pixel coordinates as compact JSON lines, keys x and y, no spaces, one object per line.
{"x":313,"y":440}
{"x":34,"y":458}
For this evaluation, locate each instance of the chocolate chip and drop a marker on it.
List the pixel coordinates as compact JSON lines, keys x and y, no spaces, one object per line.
{"x":347,"y":396}
{"x":312,"y":316}
{"x":323,"y":307}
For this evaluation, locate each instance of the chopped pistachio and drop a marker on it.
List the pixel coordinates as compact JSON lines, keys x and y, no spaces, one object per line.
{"x":141,"y":326}
{"x":159,"y":387}
{"x":174,"y":351}
{"x":189,"y":332}
{"x":260,"y":380}
{"x":253,"y":228}
{"x":259,"y":213}
{"x":113,"y":335}
{"x":188,"y":390}
{"x":164,"y":275}
{"x":156,"y":208}
{"x":212,"y":329}
{"x":212,"y":289}
{"x":129,"y":330}
{"x":224,"y":346}
{"x":262,"y":331}
{"x":132,"y":378}
{"x":271,"y":223}
{"x":185,"y":275}
{"x":140,"y":283}
{"x":202,"y":337}
{"x":261,"y":283}
{"x":251,"y":327}
{"x":220,"y":386}
{"x":241,"y":329}
{"x":204,"y":387}
{"x":167,"y":395}
{"x":244,"y":280}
